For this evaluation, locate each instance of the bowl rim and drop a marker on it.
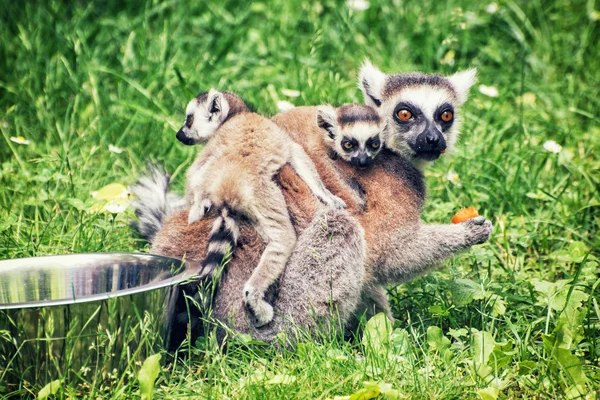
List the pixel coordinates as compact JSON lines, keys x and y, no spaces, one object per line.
{"x":190,"y":269}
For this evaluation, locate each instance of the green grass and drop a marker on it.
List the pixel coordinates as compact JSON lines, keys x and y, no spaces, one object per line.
{"x":77,"y":77}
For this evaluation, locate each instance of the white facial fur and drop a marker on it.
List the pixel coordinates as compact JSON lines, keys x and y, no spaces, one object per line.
{"x":361,"y":135}
{"x":426,"y":98}
{"x":206,"y":114}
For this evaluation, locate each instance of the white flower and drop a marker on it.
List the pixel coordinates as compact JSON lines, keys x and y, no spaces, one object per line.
{"x":359,"y":5}
{"x":492,"y":8}
{"x":115,"y":208}
{"x":19,"y":140}
{"x":552,"y":146}
{"x":452,"y":177}
{"x":284,"y":105}
{"x":290,"y":92}
{"x":489,"y":91}
{"x":114,"y":149}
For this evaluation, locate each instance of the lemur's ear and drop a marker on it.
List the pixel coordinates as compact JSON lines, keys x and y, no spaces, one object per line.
{"x":327,"y":120}
{"x":462,"y":82}
{"x":371,"y":81}
{"x":217,"y":106}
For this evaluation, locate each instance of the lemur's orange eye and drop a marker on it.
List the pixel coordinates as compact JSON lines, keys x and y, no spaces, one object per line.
{"x":347,"y":145}
{"x":447,"y":116}
{"x":404,"y":115}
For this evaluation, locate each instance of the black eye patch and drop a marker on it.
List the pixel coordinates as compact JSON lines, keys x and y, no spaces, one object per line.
{"x":444,"y":115}
{"x":189,"y":120}
{"x":373,"y":143}
{"x":414,"y":111}
{"x":349,"y":144}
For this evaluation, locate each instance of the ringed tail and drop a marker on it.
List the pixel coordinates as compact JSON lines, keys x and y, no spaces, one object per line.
{"x":223,"y":240}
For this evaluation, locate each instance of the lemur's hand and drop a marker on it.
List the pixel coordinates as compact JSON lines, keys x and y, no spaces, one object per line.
{"x":198,"y":209}
{"x":477,"y":230}
{"x":334,"y":202}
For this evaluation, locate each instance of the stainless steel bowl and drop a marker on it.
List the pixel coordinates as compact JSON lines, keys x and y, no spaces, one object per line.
{"x":65,"y":315}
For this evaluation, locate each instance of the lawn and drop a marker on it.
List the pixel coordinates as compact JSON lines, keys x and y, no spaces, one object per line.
{"x":90,"y":91}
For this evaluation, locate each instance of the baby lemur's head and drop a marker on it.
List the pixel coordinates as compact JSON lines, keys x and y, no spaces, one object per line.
{"x":422,"y":110}
{"x":354,"y":132}
{"x":206,"y":113}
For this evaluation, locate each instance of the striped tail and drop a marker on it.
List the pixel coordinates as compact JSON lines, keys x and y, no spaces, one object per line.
{"x":221,"y":243}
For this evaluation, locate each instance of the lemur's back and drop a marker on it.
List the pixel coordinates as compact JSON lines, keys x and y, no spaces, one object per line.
{"x":245,"y":150}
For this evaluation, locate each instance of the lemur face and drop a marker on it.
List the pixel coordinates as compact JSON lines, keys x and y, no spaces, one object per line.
{"x":203,"y":116}
{"x":422,"y":111}
{"x":358,"y":143}
{"x":423,"y":121}
{"x":354,"y":132}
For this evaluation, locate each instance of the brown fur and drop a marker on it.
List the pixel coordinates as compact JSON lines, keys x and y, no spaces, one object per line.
{"x":398,"y":245}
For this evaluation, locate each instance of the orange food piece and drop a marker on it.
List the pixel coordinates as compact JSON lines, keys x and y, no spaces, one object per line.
{"x":464,"y":214}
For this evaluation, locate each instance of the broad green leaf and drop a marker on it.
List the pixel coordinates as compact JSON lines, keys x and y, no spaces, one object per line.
{"x":77,"y":204}
{"x":50,"y":389}
{"x":457,"y":333}
{"x":377,"y":333}
{"x":281,"y":379}
{"x":400,"y":341}
{"x":577,"y":251}
{"x":572,"y":366}
{"x":499,"y":306}
{"x":370,"y":391}
{"x":483,"y":346}
{"x":148,"y":374}
{"x":436,"y":339}
{"x":337,"y":355}
{"x":526,"y":367}
{"x":464,"y":291}
{"x":489,"y":393}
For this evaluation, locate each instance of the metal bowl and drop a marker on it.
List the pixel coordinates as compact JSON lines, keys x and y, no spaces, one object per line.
{"x":65,"y":315}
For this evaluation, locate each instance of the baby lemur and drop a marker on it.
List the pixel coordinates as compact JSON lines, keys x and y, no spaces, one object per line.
{"x":234,"y":174}
{"x":354,"y":133}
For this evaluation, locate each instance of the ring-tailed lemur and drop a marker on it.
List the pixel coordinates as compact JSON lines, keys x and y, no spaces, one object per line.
{"x":421,"y":110}
{"x":354,"y":132}
{"x":399,"y":246}
{"x":234,"y":174}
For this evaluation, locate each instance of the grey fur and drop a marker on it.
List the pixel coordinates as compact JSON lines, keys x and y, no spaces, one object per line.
{"x":153,"y":201}
{"x":323,"y":278}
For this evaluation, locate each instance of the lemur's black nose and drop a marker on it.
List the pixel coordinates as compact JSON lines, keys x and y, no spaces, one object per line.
{"x":362,"y":161}
{"x":181,"y":136}
{"x":432,"y":138}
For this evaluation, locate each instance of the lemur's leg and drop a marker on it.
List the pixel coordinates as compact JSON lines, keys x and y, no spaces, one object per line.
{"x":412,"y":252}
{"x":274,"y":224}
{"x":305,"y":168}
{"x":323,"y":278}
{"x":197,"y":199}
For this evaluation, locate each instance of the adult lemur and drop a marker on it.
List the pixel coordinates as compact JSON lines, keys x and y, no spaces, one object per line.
{"x":329,"y":264}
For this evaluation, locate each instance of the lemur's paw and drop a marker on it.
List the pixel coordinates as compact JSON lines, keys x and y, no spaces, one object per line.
{"x":261,"y":310}
{"x":478,"y":229}
{"x":335,"y":202}
{"x":198,"y":209}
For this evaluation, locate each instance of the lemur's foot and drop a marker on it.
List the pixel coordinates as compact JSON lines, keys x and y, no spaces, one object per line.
{"x":478,"y":230}
{"x":254,"y":300}
{"x":198,"y":209}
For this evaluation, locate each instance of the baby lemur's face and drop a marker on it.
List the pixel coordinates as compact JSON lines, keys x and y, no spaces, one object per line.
{"x":354,"y":132}
{"x":421,"y":110}
{"x":206,"y":113}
